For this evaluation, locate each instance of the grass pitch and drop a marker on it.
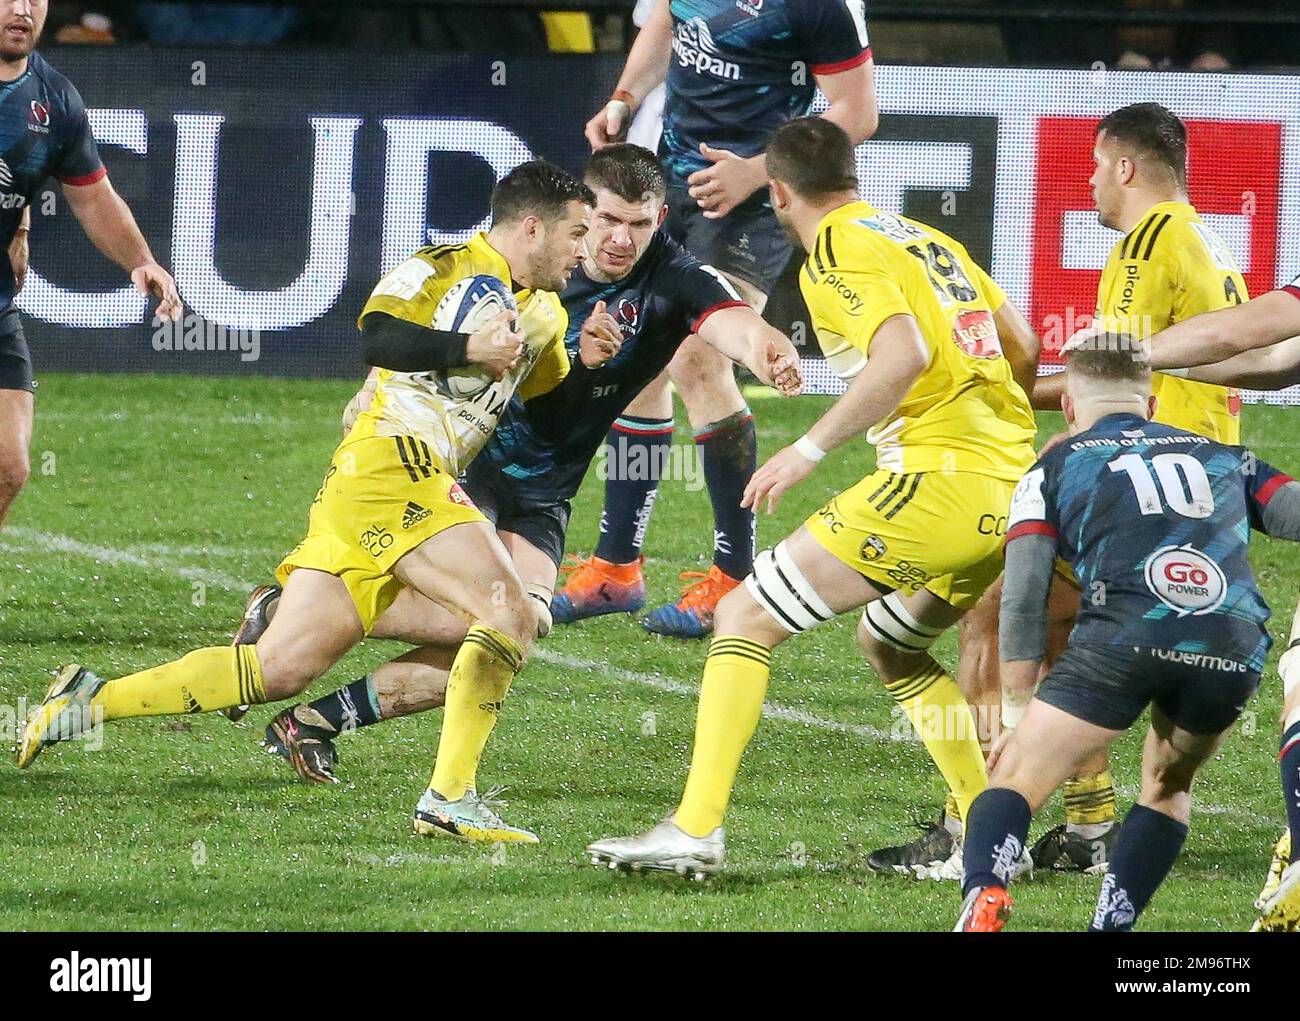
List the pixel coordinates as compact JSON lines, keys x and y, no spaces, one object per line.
{"x":155,"y":503}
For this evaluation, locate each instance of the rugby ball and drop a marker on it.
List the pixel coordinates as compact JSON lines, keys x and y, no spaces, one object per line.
{"x":465,"y":308}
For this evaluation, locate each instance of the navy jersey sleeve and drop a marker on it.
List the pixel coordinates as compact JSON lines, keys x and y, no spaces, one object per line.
{"x":1033,"y":504}
{"x":700,"y":290}
{"x":1293,"y":288}
{"x":1262,"y":483}
{"x":832,"y":33}
{"x":77,"y":160}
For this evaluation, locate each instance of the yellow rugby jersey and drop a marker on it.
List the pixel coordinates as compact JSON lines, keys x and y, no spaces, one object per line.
{"x":966,"y":412}
{"x":419,"y":403}
{"x":1168,"y":268}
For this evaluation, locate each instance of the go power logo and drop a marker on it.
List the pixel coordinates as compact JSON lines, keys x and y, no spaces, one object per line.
{"x":1186,"y":580}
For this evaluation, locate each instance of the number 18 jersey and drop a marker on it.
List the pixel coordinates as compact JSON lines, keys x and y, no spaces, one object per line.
{"x":966,"y":412}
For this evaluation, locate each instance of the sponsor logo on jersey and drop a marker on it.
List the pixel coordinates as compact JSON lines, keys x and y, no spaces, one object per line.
{"x":850,"y":296}
{"x":9,"y":199}
{"x":458,"y":495}
{"x":694,"y":46}
{"x":1186,"y":580}
{"x":975,"y":334}
{"x":873,"y":548}
{"x":751,"y":7}
{"x":628,"y":316}
{"x":414,"y":514}
{"x":39,"y":118}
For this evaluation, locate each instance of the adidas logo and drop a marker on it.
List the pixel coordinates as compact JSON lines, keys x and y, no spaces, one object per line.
{"x":190,"y":702}
{"x":414,"y":514}
{"x":6,"y":175}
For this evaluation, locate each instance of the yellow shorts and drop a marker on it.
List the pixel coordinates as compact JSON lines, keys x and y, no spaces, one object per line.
{"x":382,"y":496}
{"x":941,"y":531}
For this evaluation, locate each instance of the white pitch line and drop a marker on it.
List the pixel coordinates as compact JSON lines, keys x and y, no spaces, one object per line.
{"x":47,"y":542}
{"x":771,"y":710}
{"x":50,"y":542}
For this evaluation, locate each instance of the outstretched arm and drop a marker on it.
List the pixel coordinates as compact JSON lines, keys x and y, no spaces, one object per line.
{"x":1215,"y":336}
{"x":108,"y":222}
{"x":741,"y":334}
{"x":898,"y":357}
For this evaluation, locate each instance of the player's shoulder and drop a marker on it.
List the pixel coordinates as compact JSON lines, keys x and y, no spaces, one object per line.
{"x":57,"y":85}
{"x":1162,"y":233}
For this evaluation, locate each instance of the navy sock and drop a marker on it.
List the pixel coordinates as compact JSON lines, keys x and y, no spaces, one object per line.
{"x":1289,"y":759}
{"x":729,"y":450}
{"x":996,"y":827}
{"x":353,"y":706}
{"x":1145,"y":851}
{"x":637,"y":455}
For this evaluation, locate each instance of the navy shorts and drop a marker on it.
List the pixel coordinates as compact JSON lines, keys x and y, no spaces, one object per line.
{"x":543,"y":525}
{"x":747,"y":243}
{"x":1110,"y":685}
{"x":15,"y":359}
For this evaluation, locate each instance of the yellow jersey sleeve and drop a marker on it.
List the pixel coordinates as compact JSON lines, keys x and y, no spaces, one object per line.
{"x":847,"y":308}
{"x":993,"y":294}
{"x":412,"y":289}
{"x":552,"y":364}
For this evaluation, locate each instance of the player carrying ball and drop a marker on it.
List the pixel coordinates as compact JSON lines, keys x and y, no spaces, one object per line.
{"x":390,"y":513}
{"x":537,"y":458}
{"x":1158,"y":518}
{"x":937,"y":360}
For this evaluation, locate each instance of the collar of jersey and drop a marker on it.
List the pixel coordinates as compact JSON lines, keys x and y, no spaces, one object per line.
{"x":481,"y":242}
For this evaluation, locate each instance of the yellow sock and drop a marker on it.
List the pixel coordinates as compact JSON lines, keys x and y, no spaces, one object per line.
{"x":1090,"y":800}
{"x":200,"y":682}
{"x":480,"y":677}
{"x":939,"y":713}
{"x":731,"y":701}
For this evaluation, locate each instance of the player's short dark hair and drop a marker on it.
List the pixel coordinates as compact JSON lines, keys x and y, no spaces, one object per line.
{"x":813,"y":156}
{"x":1110,"y":357}
{"x":537,"y":188}
{"x":630,"y":171}
{"x":1152,"y":130}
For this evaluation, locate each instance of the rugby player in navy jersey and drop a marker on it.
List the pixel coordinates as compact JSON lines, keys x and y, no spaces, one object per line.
{"x":1155,"y":522}
{"x":44,"y":132}
{"x":637,"y":290}
{"x":1256,"y":345}
{"x":735,"y":70}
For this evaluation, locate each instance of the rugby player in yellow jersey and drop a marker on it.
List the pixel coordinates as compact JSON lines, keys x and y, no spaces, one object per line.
{"x":932,"y":352}
{"x":390,"y":513}
{"x":1167,"y":267}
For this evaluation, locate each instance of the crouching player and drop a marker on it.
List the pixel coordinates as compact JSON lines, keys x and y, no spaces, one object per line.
{"x":390,"y":514}
{"x":933,"y":353}
{"x":1155,"y":522}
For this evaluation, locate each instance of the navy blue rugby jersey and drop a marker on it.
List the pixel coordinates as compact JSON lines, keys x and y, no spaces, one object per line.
{"x":663,"y":300}
{"x":741,"y":68}
{"x":44,"y":132}
{"x":1156,"y":523}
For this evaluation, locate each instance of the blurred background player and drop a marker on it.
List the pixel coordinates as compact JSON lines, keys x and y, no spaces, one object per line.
{"x":538,"y":456}
{"x":735,"y":71}
{"x":934,"y":356}
{"x":1160,"y":517}
{"x":1168,"y":266}
{"x":391,"y":514}
{"x":47,"y":133}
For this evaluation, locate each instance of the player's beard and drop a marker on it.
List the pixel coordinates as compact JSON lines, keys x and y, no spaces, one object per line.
{"x":11,"y":52}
